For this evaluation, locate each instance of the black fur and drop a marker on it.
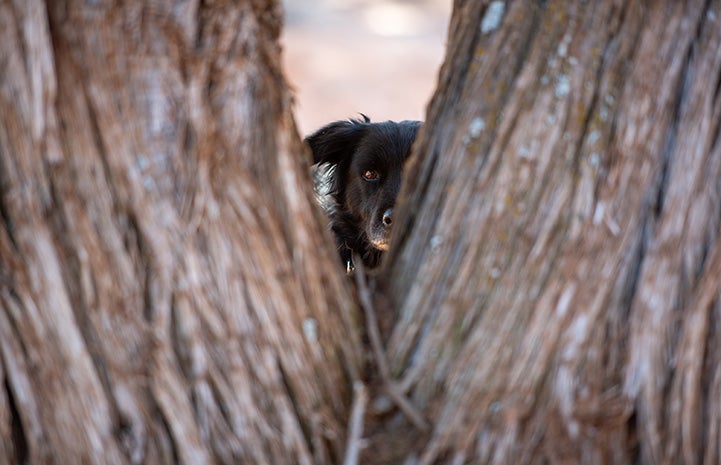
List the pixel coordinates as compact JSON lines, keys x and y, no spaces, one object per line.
{"x":364,"y":165}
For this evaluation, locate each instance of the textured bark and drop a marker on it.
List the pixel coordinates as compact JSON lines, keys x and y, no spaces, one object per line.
{"x":165,"y":294}
{"x":556,"y":272}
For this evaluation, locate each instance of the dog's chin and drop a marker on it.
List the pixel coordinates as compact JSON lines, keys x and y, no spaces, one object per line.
{"x":378,"y":236}
{"x":381,"y":244}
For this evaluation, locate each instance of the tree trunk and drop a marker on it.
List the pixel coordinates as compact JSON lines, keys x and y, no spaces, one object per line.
{"x":168,"y":293}
{"x":556,"y":275}
{"x":165,"y":295}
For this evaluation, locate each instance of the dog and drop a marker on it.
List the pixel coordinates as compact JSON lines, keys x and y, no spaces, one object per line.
{"x":361,"y":165}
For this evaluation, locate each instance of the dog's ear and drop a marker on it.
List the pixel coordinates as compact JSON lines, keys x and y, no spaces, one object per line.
{"x":336,"y":141}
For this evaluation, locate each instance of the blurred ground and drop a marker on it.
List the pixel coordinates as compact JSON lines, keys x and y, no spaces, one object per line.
{"x":378,"y":57}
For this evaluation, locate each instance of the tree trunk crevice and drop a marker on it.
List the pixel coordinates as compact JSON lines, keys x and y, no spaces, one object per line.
{"x":169,"y":292}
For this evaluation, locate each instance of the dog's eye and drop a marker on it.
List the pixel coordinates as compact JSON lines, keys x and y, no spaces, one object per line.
{"x":371,"y":175}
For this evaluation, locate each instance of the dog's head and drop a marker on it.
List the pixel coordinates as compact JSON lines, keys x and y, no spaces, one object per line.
{"x":366,"y":161}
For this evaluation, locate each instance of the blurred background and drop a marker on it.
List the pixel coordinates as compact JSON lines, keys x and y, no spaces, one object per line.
{"x":378,"y":57}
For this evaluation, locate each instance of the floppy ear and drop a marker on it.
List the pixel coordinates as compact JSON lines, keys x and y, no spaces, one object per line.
{"x":337,"y":141}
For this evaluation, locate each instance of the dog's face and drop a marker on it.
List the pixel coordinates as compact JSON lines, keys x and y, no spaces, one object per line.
{"x":367,"y":164}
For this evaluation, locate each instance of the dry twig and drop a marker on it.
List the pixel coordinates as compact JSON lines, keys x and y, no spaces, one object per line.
{"x":355,"y":424}
{"x":393,"y":391}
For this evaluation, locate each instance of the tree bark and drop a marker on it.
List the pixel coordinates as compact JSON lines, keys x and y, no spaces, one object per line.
{"x":169,"y":294}
{"x":165,"y":292}
{"x":556,"y":272}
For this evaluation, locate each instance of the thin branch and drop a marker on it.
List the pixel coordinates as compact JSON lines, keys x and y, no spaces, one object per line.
{"x":393,"y":391}
{"x":355,"y":424}
{"x":372,"y":323}
{"x":406,"y":407}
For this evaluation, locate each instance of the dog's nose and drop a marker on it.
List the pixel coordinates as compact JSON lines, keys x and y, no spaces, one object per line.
{"x":387,"y":217}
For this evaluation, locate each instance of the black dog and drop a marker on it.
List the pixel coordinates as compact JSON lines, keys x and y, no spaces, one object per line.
{"x":364,"y":163}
